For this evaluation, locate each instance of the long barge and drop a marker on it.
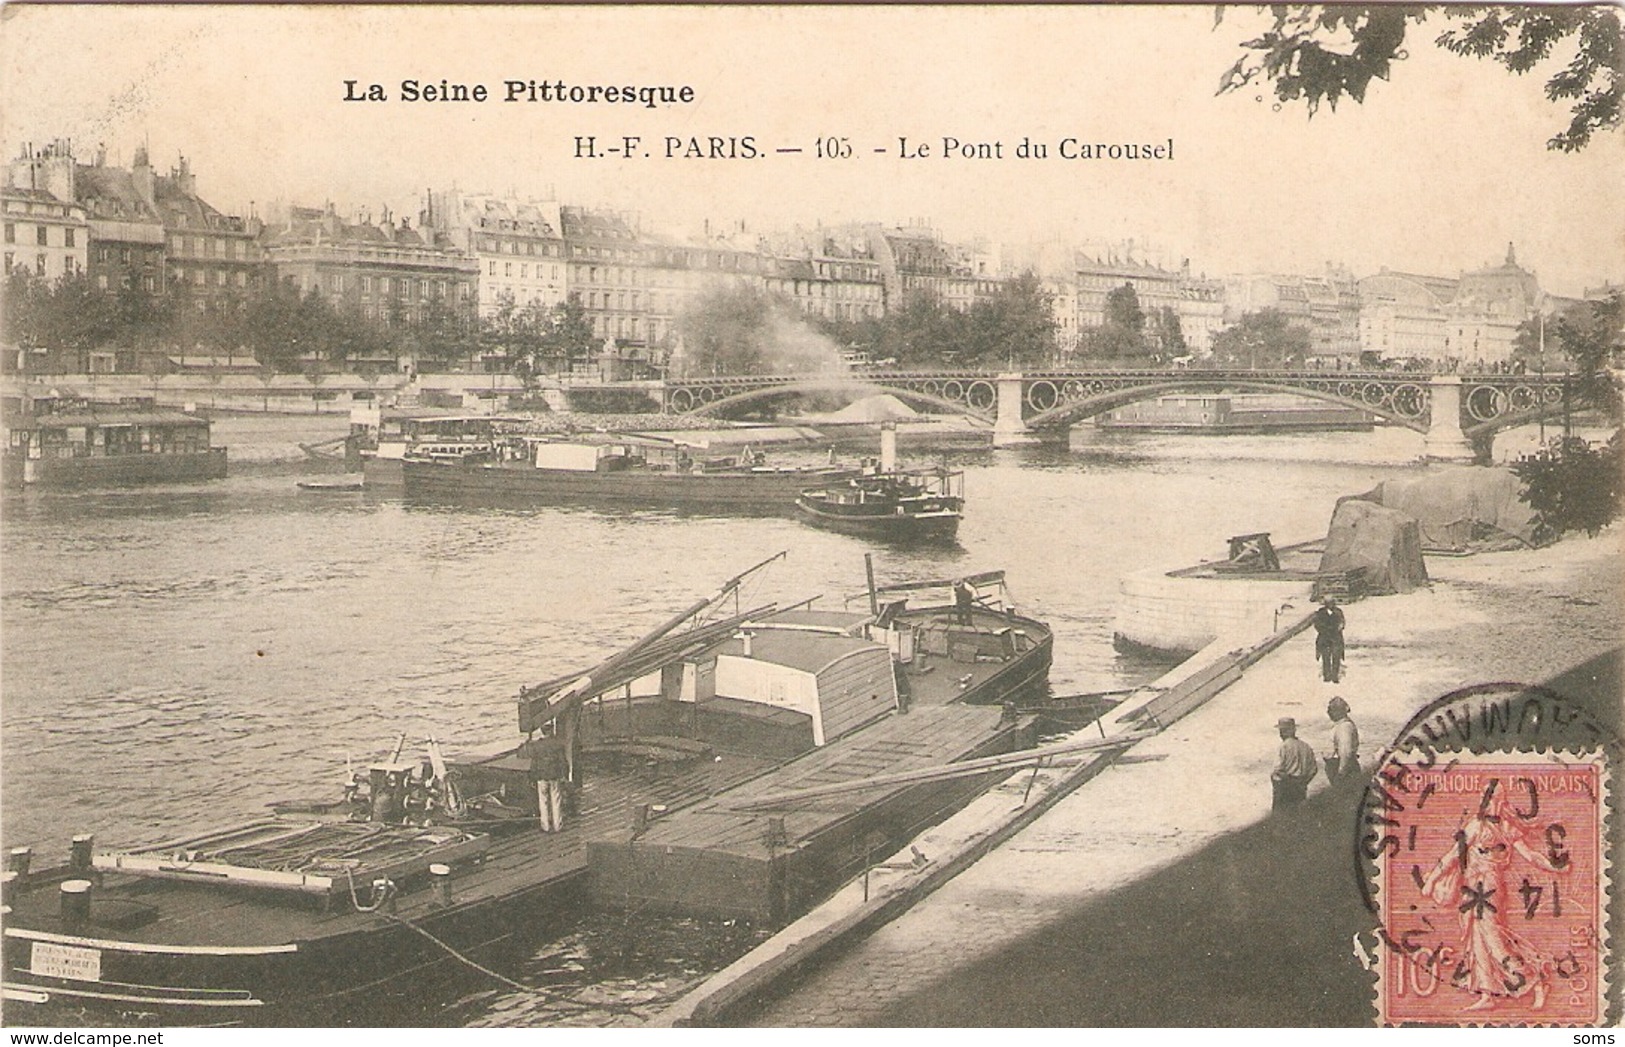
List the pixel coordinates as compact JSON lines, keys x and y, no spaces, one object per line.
{"x":612,"y":471}
{"x":425,"y":864}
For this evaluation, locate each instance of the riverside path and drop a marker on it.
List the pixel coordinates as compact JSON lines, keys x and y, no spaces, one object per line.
{"x":1163,"y":892}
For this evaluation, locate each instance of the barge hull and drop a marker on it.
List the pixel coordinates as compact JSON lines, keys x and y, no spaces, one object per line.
{"x":767,"y":490}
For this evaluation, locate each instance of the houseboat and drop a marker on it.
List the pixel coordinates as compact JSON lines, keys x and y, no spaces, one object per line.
{"x":84,"y":445}
{"x":428,"y":861}
{"x":1236,"y":413}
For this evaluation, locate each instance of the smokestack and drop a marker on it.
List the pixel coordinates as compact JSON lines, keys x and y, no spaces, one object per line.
{"x":888,"y":447}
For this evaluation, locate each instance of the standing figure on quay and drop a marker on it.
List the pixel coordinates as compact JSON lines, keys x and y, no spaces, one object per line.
{"x":1343,"y":765}
{"x":1328,"y":623}
{"x":1295,"y":767}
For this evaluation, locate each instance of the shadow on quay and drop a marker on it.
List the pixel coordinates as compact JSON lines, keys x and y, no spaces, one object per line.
{"x":1256,"y":929}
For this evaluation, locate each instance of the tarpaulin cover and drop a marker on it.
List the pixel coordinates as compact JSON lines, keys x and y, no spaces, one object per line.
{"x":1385,"y":543}
{"x":1460,"y":508}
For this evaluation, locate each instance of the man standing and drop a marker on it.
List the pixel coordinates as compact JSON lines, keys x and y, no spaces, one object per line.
{"x":1295,"y":769}
{"x":1328,"y":623}
{"x":1343,"y":765}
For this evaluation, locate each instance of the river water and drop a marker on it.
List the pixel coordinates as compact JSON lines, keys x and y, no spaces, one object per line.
{"x":175,"y":657}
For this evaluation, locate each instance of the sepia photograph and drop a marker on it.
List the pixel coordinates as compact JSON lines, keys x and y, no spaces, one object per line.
{"x":756,"y":516}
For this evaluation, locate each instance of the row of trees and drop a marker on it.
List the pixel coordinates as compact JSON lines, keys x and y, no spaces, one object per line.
{"x":283,"y":329}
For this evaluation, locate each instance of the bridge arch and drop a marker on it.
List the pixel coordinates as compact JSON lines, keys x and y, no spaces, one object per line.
{"x":1412,"y":412}
{"x":721,"y":400}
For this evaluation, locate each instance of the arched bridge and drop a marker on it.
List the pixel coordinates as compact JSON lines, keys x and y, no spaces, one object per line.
{"x":1456,"y":412}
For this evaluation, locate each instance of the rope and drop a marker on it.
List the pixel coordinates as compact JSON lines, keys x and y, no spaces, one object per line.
{"x":380,"y":894}
{"x":504,"y":979}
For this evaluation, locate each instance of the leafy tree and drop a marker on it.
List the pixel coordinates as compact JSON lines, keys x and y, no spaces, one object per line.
{"x":1167,"y":334}
{"x":1572,"y":485}
{"x":1321,"y":53}
{"x":1123,"y":309}
{"x":1015,"y":325}
{"x":1587,"y":338}
{"x":569,"y":336}
{"x":1122,"y":337}
{"x":1265,"y":338}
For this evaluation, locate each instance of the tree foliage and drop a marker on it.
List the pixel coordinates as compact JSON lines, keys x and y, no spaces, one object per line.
{"x":1323,"y":53}
{"x":1265,"y":338}
{"x":1122,"y":337}
{"x":1572,"y":485}
{"x":1589,"y":337}
{"x":1014,"y":325}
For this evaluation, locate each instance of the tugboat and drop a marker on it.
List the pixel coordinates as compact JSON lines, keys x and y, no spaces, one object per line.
{"x":424,"y":864}
{"x":888,"y":503}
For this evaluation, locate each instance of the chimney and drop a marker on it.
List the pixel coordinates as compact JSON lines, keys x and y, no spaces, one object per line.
{"x":141,"y":175}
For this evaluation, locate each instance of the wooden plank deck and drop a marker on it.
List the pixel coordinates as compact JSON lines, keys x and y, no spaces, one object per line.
{"x":713,"y":858}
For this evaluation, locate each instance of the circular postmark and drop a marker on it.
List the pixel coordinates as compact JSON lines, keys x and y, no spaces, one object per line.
{"x":1484,"y":845}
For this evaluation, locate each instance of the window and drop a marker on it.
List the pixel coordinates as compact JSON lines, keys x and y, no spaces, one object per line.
{"x":11,"y":260}
{"x":366,"y":285}
{"x":493,"y":270}
{"x":242,"y":279}
{"x":507,"y":268}
{"x":42,"y":236}
{"x":11,"y":232}
{"x":67,"y":238}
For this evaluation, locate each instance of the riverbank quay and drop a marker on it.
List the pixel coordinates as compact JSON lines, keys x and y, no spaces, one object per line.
{"x":1163,"y":891}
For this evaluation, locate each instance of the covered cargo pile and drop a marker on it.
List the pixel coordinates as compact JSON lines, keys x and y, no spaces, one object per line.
{"x":1381,"y":547}
{"x":1461,"y":509}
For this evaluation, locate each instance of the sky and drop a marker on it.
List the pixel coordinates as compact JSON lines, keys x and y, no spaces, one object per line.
{"x":1436,"y":172}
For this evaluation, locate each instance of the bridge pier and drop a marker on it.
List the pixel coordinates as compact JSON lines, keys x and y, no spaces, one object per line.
{"x":1445,"y":441}
{"x":1009,"y":427}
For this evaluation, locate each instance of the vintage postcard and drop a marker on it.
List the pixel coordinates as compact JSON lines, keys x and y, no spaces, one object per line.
{"x":759,"y":516}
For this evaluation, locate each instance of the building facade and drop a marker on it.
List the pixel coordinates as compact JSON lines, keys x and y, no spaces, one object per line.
{"x":1196,"y":301}
{"x":517,"y":244}
{"x":46,"y":233}
{"x":386,"y":270}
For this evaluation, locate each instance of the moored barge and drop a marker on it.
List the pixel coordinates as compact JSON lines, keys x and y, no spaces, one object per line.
{"x":89,"y":445}
{"x":427,"y":863}
{"x":614,"y":471}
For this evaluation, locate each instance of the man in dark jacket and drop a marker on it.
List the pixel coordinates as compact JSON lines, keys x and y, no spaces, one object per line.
{"x":1328,"y":623}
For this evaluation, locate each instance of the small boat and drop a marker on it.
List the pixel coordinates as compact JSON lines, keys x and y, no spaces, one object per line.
{"x":331,"y":486}
{"x":922,"y":505}
{"x":423,"y":865}
{"x":79,"y":444}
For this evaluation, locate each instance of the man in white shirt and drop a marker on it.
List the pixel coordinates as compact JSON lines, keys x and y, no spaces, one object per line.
{"x":1343,"y":764}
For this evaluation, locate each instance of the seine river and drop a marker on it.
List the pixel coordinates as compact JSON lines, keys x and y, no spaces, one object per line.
{"x":176,"y":657}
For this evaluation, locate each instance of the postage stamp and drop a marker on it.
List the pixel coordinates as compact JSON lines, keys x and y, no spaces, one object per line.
{"x":1492,"y":886}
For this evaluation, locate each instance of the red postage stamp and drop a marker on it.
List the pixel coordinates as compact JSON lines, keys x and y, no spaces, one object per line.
{"x":1492,"y":890}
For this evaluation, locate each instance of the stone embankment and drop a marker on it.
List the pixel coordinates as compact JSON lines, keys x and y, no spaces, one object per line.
{"x":1168,"y":812}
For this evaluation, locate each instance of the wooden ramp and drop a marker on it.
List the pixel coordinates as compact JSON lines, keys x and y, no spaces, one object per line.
{"x":769,"y":865}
